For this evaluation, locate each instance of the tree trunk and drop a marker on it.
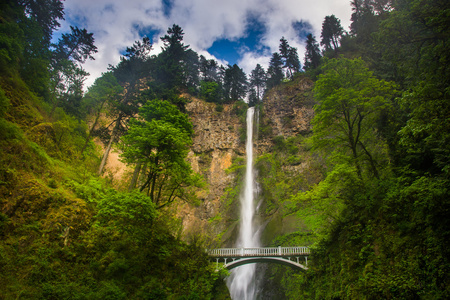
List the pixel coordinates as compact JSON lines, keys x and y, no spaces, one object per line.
{"x":54,"y":99}
{"x":93,"y":127}
{"x":136,"y":173}
{"x":105,"y":156}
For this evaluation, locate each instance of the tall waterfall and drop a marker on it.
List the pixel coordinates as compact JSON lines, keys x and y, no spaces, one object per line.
{"x":242,"y":283}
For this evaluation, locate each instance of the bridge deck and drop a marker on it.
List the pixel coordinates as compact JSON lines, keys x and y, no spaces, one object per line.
{"x":259,"y":252}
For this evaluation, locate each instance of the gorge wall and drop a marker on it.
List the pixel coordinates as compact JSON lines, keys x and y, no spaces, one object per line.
{"x":218,"y":153}
{"x":219,"y":145}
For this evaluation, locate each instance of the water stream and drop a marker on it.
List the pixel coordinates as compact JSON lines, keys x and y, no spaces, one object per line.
{"x":242,"y":283}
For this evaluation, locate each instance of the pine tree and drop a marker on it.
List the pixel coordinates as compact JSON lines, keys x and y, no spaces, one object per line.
{"x":235,"y":83}
{"x":170,"y":61}
{"x":275,"y":71}
{"x":289,"y":57}
{"x":332,"y":32}
{"x":67,"y":75}
{"x":312,"y":54}
{"x":258,"y":79}
{"x":208,"y":69}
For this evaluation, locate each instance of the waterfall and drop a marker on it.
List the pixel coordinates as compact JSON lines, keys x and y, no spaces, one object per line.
{"x":242,"y":283}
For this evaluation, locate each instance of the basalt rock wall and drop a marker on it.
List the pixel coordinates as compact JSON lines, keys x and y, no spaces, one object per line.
{"x":287,"y":111}
{"x":219,"y":143}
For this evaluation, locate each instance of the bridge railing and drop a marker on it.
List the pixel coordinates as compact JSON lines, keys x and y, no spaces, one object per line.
{"x":260,"y":251}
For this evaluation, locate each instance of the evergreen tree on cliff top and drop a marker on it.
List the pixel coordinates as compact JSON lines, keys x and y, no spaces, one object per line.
{"x":332,"y":32}
{"x":170,"y":69}
{"x":258,"y":81}
{"x":289,"y":57}
{"x":275,"y":71}
{"x":312,"y":54}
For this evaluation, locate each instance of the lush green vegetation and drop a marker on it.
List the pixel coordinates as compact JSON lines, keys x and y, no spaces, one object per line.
{"x":373,"y":201}
{"x":65,"y":231}
{"x":380,"y":216}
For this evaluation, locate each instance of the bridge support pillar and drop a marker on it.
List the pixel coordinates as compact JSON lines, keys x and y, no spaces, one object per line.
{"x":306,"y":259}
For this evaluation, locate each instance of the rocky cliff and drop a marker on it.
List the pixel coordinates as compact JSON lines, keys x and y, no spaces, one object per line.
{"x":216,"y":144}
{"x":287,"y":111}
{"x":219,"y":141}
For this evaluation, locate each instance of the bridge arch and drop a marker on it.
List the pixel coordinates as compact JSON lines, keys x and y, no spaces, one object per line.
{"x":235,"y":257}
{"x":278,"y":260}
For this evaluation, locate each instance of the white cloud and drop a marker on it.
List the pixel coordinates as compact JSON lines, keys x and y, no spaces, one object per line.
{"x":249,"y":61}
{"x":116,"y":24}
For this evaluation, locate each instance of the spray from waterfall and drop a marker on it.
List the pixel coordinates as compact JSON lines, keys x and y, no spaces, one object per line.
{"x":242,"y":283}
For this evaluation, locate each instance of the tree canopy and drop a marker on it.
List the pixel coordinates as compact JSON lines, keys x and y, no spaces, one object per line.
{"x":351,"y":100}
{"x":159,"y":142}
{"x":332,"y":32}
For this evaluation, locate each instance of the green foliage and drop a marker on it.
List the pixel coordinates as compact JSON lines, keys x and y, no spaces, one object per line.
{"x":332,"y":32}
{"x":351,"y":100}
{"x":312,"y":53}
{"x":11,"y":47}
{"x":219,"y":108}
{"x":64,"y":232}
{"x":426,"y":135}
{"x":160,"y":143}
{"x":289,"y":57}
{"x":234,"y":84}
{"x":275,"y":72}
{"x":4,"y":103}
{"x":132,"y":212}
{"x":384,"y":237}
{"x":90,"y":190}
{"x":283,"y":175}
{"x":257,"y":81}
{"x":210,"y":91}
{"x":240,"y":110}
{"x":323,"y":204}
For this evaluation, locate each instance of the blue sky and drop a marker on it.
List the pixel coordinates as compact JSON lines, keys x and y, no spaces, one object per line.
{"x":245,"y":32}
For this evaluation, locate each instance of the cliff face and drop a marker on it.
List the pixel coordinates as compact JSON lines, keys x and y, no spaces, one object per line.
{"x":287,"y":111}
{"x":219,"y":143}
{"x":216,"y":144}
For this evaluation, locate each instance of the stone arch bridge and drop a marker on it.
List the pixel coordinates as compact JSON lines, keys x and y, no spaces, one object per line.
{"x":295,"y":257}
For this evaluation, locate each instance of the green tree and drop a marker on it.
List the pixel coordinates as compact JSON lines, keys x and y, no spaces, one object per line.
{"x":191,"y":70}
{"x":105,"y":89}
{"x":289,"y":57}
{"x":332,"y":32}
{"x":46,"y":13}
{"x":415,"y":52}
{"x":364,"y":14}
{"x":312,"y":53}
{"x":160,"y":142}
{"x":351,"y":100}
{"x":70,"y":52}
{"x":252,"y":97}
{"x":129,"y":73}
{"x":208,"y":69}
{"x":170,"y":62}
{"x":210,"y":91}
{"x":258,"y":81}
{"x":275,"y":71}
{"x":27,"y":27}
{"x":235,"y":83}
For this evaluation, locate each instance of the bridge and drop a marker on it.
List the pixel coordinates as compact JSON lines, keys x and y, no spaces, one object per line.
{"x":235,"y":257}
